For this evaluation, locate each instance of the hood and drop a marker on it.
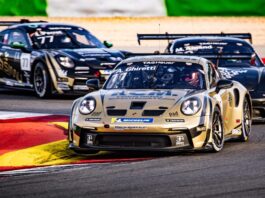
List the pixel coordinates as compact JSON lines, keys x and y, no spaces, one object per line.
{"x":91,"y":53}
{"x":247,"y":76}
{"x":133,"y":102}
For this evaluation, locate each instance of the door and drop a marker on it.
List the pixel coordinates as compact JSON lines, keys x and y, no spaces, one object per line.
{"x":223,"y":97}
{"x":15,"y":60}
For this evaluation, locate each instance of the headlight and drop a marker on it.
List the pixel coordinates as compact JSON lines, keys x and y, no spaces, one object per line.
{"x":115,"y":58}
{"x":191,"y":106}
{"x":87,"y":105}
{"x":66,"y":61}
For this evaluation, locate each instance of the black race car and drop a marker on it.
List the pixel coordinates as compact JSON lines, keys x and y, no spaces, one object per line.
{"x":231,"y":53}
{"x":52,"y":58}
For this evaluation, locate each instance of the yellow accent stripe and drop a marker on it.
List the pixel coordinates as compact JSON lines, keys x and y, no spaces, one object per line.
{"x":47,"y":154}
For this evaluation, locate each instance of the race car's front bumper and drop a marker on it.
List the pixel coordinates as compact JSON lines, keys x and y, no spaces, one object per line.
{"x":181,"y":139}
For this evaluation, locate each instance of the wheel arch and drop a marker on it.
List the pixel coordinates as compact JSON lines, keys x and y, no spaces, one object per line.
{"x":35,"y":62}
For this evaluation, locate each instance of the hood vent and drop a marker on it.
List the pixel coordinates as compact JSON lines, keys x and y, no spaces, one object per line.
{"x":153,"y":112}
{"x":137,"y":105}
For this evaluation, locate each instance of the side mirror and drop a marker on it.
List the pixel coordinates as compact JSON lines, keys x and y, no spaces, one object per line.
{"x":93,"y":84}
{"x":21,"y":46}
{"x":107,"y":44}
{"x":223,"y":84}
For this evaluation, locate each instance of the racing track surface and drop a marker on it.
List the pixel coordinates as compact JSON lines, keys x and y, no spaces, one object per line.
{"x":237,"y":171}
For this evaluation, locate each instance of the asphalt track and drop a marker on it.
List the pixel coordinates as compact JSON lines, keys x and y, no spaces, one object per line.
{"x":237,"y":171}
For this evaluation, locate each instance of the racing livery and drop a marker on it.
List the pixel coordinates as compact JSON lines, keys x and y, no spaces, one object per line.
{"x":235,"y":58}
{"x":52,"y":58}
{"x":160,"y":103}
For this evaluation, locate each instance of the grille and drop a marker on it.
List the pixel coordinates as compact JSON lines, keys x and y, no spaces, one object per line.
{"x":116,"y":112}
{"x":80,"y":82}
{"x":153,"y":112}
{"x":154,"y":141}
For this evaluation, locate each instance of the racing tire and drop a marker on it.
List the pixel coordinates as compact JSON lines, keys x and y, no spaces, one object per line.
{"x":246,"y":121}
{"x":42,"y":81}
{"x":217,"y":131}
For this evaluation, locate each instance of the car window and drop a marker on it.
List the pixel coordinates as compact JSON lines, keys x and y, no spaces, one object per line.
{"x":4,"y":37}
{"x":17,"y":36}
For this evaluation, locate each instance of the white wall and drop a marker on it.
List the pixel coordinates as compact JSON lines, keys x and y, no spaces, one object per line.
{"x":82,"y":8}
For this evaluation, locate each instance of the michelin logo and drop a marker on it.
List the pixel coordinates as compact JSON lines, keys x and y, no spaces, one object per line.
{"x":132,"y":120}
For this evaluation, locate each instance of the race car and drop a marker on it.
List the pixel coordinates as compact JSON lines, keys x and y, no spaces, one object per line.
{"x":235,"y":58}
{"x":52,"y":58}
{"x":160,"y":103}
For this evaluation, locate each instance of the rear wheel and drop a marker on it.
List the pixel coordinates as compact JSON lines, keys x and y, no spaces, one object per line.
{"x":41,"y":81}
{"x":217,"y":131}
{"x":246,"y":121}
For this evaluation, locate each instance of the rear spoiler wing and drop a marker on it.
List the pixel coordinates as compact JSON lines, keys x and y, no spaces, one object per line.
{"x":9,"y":23}
{"x":167,"y":36}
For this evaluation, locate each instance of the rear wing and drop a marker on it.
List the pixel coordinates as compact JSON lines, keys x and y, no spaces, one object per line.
{"x":210,"y":56}
{"x":169,"y":37}
{"x":9,"y":23}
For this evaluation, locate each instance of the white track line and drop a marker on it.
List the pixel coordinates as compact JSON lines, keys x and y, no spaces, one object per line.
{"x":4,"y":115}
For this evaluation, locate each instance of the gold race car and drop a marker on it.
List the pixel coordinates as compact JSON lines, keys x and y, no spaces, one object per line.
{"x":160,"y":103}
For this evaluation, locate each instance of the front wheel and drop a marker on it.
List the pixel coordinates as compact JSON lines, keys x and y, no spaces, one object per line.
{"x":41,"y":81}
{"x":246,"y":121}
{"x":217,"y":131}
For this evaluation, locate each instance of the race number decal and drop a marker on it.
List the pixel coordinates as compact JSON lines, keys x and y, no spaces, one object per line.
{"x":25,"y":62}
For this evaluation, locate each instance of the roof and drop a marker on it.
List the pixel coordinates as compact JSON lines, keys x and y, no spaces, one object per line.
{"x":40,"y":24}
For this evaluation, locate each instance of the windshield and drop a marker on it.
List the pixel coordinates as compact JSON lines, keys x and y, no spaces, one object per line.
{"x":157,"y":75}
{"x":63,"y":37}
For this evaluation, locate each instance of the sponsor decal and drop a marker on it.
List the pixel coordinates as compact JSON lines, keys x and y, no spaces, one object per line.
{"x":147,"y":68}
{"x":193,"y":48}
{"x":10,"y":71}
{"x":180,"y":140}
{"x":93,"y":119}
{"x":96,"y":114}
{"x":236,"y":132}
{"x":129,"y":127}
{"x":132,"y":120}
{"x":173,"y":114}
{"x":166,"y":95}
{"x":80,"y":87}
{"x":159,"y":62}
{"x":175,"y":120}
{"x":228,"y":73}
{"x":59,"y":28}
{"x":213,"y":43}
